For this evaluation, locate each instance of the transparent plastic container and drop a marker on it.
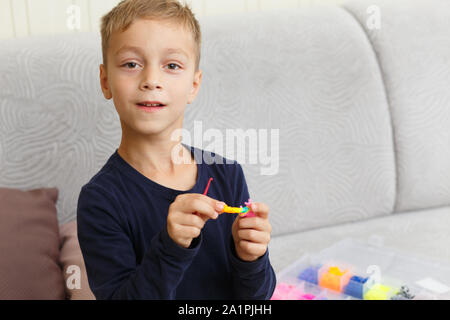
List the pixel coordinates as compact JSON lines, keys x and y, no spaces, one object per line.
{"x":351,"y":269}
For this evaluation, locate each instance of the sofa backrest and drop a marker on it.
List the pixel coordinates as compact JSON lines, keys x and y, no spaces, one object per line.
{"x":312,"y":74}
{"x":413,"y":49}
{"x":56,"y":129}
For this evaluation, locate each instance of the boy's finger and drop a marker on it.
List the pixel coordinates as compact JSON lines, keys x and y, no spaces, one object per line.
{"x":253,"y":235}
{"x":260,"y":209}
{"x":203,"y":217}
{"x":252,"y":248}
{"x":190,"y":232}
{"x":193,"y":220}
{"x":199,"y":206}
{"x":217,"y":205}
{"x":256,"y":223}
{"x":205,"y":210}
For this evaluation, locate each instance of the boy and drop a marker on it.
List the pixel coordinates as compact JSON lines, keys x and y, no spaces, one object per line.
{"x":145,"y":229}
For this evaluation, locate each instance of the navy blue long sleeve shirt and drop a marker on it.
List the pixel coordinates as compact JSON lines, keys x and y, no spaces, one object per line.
{"x":122,"y":232}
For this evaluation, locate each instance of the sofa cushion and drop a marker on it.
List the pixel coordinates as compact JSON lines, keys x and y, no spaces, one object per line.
{"x":72,"y":264}
{"x":65,"y":126}
{"x":312,"y":75}
{"x":29,"y":245}
{"x":413,"y":49}
{"x":422,"y":234}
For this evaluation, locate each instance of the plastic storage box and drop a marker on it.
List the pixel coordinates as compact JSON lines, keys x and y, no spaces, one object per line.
{"x":351,"y":269}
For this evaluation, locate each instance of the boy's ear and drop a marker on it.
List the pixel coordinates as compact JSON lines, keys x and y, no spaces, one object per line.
{"x":104,"y":83}
{"x":195,"y":86}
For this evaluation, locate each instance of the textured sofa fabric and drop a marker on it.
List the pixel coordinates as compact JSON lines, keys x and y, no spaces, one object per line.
{"x":363,"y":118}
{"x":413,"y":50}
{"x":29,"y":245}
{"x":323,"y":91}
{"x":311,"y":74}
{"x":422,"y":234}
{"x":56,"y":128}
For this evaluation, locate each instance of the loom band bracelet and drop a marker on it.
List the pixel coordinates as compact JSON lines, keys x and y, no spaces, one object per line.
{"x":244,"y":212}
{"x":241,"y":211}
{"x":228,"y":209}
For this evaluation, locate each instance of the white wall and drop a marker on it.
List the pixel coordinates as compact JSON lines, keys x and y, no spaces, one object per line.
{"x":20,"y":18}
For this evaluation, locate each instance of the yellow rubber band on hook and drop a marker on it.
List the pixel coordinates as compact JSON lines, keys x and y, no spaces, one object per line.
{"x":242,"y":211}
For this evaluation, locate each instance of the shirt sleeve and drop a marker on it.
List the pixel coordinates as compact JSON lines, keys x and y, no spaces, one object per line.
{"x":254,"y":280}
{"x":110,"y":258}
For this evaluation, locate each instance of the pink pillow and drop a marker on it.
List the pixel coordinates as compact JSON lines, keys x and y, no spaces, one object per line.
{"x":72,"y":263}
{"x":29,"y":245}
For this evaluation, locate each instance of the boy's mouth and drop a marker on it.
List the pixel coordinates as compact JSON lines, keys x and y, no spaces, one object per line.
{"x":150,"y":106}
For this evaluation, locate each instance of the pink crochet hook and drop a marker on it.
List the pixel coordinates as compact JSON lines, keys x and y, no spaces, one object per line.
{"x":207,"y":187}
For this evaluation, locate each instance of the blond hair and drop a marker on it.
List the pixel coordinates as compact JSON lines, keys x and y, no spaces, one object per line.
{"x":127,"y":11}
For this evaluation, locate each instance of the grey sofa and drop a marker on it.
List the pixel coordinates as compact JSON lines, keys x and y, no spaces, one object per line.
{"x":363,"y":118}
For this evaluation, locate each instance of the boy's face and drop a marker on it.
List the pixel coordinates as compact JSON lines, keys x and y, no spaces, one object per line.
{"x":140,"y":67}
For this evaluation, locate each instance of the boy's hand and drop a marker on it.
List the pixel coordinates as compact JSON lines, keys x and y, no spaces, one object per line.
{"x":188,"y":214}
{"x":252,"y":235}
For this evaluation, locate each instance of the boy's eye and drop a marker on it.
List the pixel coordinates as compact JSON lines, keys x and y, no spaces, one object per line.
{"x":173,"y":64}
{"x":134,"y":65}
{"x":130,"y":65}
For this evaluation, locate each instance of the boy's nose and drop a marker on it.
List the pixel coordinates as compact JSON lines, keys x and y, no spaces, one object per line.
{"x":150,"y":85}
{"x":150,"y":80}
